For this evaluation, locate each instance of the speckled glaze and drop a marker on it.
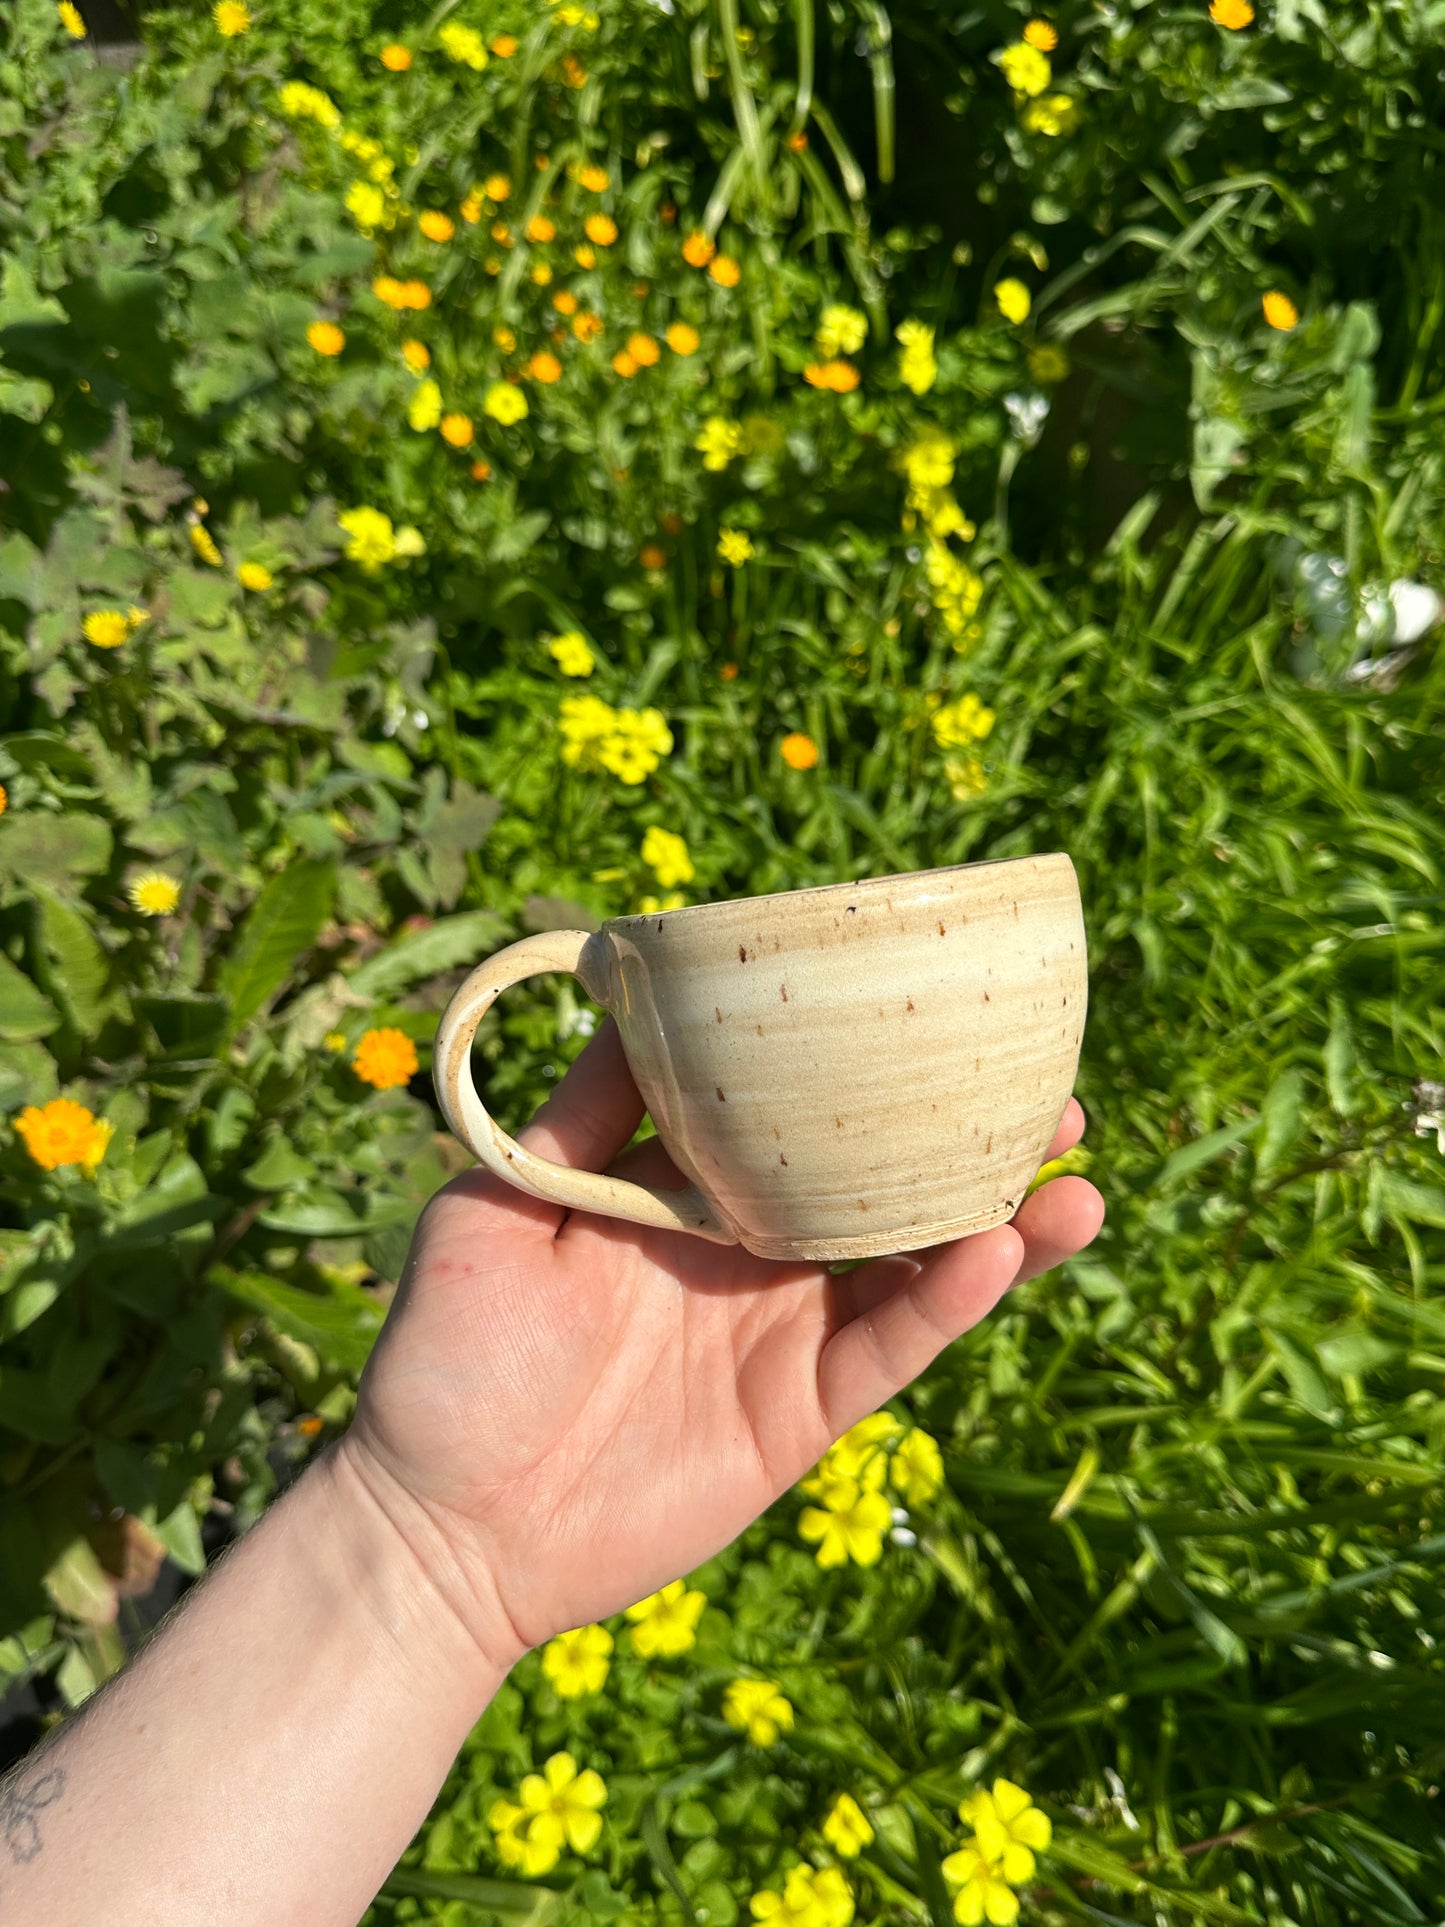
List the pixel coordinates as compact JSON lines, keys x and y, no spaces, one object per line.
{"x":840,"y":1072}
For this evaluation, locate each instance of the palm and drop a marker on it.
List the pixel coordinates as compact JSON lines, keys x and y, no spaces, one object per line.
{"x":616,"y":1403}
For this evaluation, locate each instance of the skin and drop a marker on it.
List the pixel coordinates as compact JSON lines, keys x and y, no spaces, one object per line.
{"x":282,"y":1737}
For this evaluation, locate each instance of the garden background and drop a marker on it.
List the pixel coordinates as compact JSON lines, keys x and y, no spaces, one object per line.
{"x":473,"y":471}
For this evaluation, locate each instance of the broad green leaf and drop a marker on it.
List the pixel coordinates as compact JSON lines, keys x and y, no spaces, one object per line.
{"x":187,"y":1026}
{"x":25,"y":1012}
{"x":420,"y":954}
{"x":77,"y":964}
{"x":342,"y":1325}
{"x":1281,"y":1116}
{"x":40,"y":850}
{"x":279,"y":930}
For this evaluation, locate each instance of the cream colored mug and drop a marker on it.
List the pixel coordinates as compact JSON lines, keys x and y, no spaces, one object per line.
{"x":839,"y":1072}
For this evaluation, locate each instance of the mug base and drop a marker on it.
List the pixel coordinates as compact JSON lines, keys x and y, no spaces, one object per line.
{"x":883,"y":1244}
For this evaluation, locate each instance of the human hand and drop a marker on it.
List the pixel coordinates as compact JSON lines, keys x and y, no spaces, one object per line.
{"x":565,"y":1412}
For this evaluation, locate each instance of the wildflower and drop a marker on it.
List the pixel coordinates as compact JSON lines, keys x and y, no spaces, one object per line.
{"x":504,"y":46}
{"x":1008,"y":1829}
{"x":255,"y":576}
{"x":504,"y":338}
{"x":644,"y":350}
{"x":545,"y":367}
{"x":624,"y":364}
{"x":373,"y":540}
{"x":497,"y":187}
{"x":861,"y":1455}
{"x":435,"y":225}
{"x":735,"y":547}
{"x":385,"y":1059}
{"x":601,"y":229}
{"x":4,"y":799}
{"x":457,"y":429}
{"x":841,"y":331}
{"x":584,"y":256}
{"x":417,"y":356}
{"x":961,"y":723}
{"x":917,"y":368}
{"x":916,"y":1469}
{"x":366,"y":204}
{"x":849,"y":1524}
{"x":539,"y":228}
{"x":1233,"y":14}
{"x":204,"y":545}
{"x":664,"y":1625}
{"x":564,"y":301}
{"x":797,"y":141}
{"x":595,"y":179}
{"x":403,"y":294}
{"x":577,"y":1662}
{"x":561,"y":1808}
{"x":587,"y":327}
{"x":718,"y":441}
{"x":1052,"y":115}
{"x":847,"y":1828}
{"x":841,"y":377}
{"x":63,"y":1132}
{"x":1013,"y":298}
{"x":811,"y":1897}
{"x":1041,"y":34}
{"x":573,"y":72}
{"x":982,"y":1893}
{"x":410,"y":541}
{"x":472,"y":209}
{"x":698,"y":250}
{"x":464,"y":45}
{"x":1025,"y":69}
{"x":628,"y":743}
{"x":571,"y":653}
{"x":652,"y":556}
{"x":965,"y":777}
{"x":424,"y":410}
{"x":505,"y":403}
{"x":481,"y":471}
{"x":70,"y":19}
{"x":106,"y":628}
{"x":299,"y":101}
{"x":666,"y":855}
{"x":1279,"y":311}
{"x":395,"y":58}
{"x":334,"y":1040}
{"x":757,"y":1707}
{"x":154,"y":893}
{"x":729,"y":672}
{"x":509,"y":1835}
{"x":799,"y":751}
{"x":232,"y":17}
{"x":725,"y":271}
{"x":326,"y":338}
{"x":682,"y":339}
{"x":1048,"y":364}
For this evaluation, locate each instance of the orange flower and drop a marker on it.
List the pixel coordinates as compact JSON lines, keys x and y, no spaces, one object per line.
{"x":496,"y":187}
{"x":799,"y":751}
{"x":600,"y":228}
{"x":542,"y":275}
{"x":667,"y":213}
{"x":504,"y":46}
{"x":544,"y":366}
{"x":396,"y":58}
{"x":1042,"y":35}
{"x":326,"y":338}
{"x":573,"y":72}
{"x":840,"y":376}
{"x":504,"y":338}
{"x":682,"y":339}
{"x":564,"y":301}
{"x":652,"y":556}
{"x":584,"y":256}
{"x":797,"y":142}
{"x":416,"y":294}
{"x":595,"y":179}
{"x":725,"y":271}
{"x":4,"y":799}
{"x":481,"y":471}
{"x":624,"y":364}
{"x":417,"y":356}
{"x":502,"y":234}
{"x":63,"y":1132}
{"x":587,"y":327}
{"x":457,"y":429}
{"x":472,"y":209}
{"x":1233,"y":14}
{"x":697,"y":250}
{"x":729,"y":673}
{"x":1279,"y":311}
{"x":436,"y":226}
{"x":539,"y":228}
{"x":386,"y":1059}
{"x":644,"y":350}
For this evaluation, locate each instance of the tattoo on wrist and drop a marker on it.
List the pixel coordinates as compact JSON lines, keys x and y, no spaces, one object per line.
{"x":23,"y":1797}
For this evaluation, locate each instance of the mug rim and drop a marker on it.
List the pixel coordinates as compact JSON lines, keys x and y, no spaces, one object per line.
{"x":872,"y":884}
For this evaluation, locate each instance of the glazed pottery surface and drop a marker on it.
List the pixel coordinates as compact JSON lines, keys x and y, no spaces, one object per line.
{"x":840,"y":1072}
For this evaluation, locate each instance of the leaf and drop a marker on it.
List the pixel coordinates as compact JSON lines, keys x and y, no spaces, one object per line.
{"x":78,"y":969}
{"x":420,"y":954}
{"x":1340,"y":1059}
{"x":27,"y":1075}
{"x":40,"y":849}
{"x":1305,"y":1378}
{"x":25,"y":1013}
{"x":187,"y":1026}
{"x":1281,"y":1119}
{"x":280,"y":928}
{"x":279,"y":1166}
{"x":342,"y":1326}
{"x":180,"y":1533}
{"x":80,"y":1585}
{"x":1191,"y":1157}
{"x":1408,"y":1199}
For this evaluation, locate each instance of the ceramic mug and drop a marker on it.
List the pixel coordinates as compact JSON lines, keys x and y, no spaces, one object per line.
{"x":839,"y":1072}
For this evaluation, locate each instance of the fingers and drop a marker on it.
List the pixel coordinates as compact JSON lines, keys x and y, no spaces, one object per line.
{"x":1071,"y":1129}
{"x":593,"y":1111}
{"x":1060,"y":1218}
{"x":890,"y":1342}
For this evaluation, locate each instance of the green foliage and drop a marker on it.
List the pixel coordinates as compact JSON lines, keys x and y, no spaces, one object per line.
{"x":1182,"y":1581}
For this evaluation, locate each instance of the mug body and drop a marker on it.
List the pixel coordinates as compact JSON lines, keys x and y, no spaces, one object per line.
{"x":860,"y":1068}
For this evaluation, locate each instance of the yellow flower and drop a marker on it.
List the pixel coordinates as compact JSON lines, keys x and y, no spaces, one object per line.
{"x":846,"y":1828}
{"x":424,"y":410}
{"x":917,"y":368}
{"x":841,"y":377}
{"x":472,"y":209}
{"x":106,"y":628}
{"x":601,"y":229}
{"x":861,"y":1455}
{"x":664,"y":1624}
{"x":718,"y":441}
{"x":725,"y":271}
{"x":395,"y":58}
{"x":577,"y":1662}
{"x":644,"y":350}
{"x":299,"y":101}
{"x":154,"y":893}
{"x":561,"y":1806}
{"x":735,"y":547}
{"x":1041,"y":34}
{"x":665,"y":854}
{"x":458,"y":430}
{"x":385,"y":1058}
{"x":1013,"y":298}
{"x":571,"y":653}
{"x":504,"y":46}
{"x":70,"y":19}
{"x":1025,"y":69}
{"x":841,"y":331}
{"x":849,"y":1524}
{"x":539,"y":228}
{"x":435,"y":225}
{"x":799,"y":751}
{"x":63,"y":1132}
{"x":326,"y":338}
{"x":410,"y":541}
{"x":504,"y":338}
{"x":584,"y":256}
{"x":505,"y":403}
{"x":366,"y":205}
{"x":811,"y":1897}
{"x":587,"y":327}
{"x":564,"y":301}
{"x":654,"y":906}
{"x":417,"y":356}
{"x":373,"y":540}
{"x":982,"y":1892}
{"x":1048,"y":364}
{"x":595,"y":179}
{"x":496,"y":187}
{"x":1008,"y":1829}
{"x":698,"y":250}
{"x":204,"y":545}
{"x":1279,"y":311}
{"x":254,"y":575}
{"x":916,"y":1469}
{"x":960,"y":724}
{"x":1052,"y":115}
{"x":232,"y":17}
{"x":463,"y":45}
{"x":965,"y":777}
{"x":334,"y":1040}
{"x":757,"y":1707}
{"x":1234,"y":14}
{"x":682,"y":339}
{"x":626,"y":742}
{"x":509,"y":1834}
{"x":545,"y":367}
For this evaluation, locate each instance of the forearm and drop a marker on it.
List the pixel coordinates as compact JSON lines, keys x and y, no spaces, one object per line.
{"x":270,"y":1753}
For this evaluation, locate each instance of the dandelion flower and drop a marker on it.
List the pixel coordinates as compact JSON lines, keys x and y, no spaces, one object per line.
{"x":698,"y":250}
{"x":4,"y":799}
{"x":917,"y":368}
{"x":1025,"y":69}
{"x":464,"y":45}
{"x":1013,"y":298}
{"x":600,"y":229}
{"x":725,"y":271}
{"x":544,"y":367}
{"x":326,"y":338}
{"x":652,"y":555}
{"x":1233,"y":14}
{"x":481,"y":471}
{"x":435,"y":225}
{"x":395,"y":58}
{"x":664,"y":1625}
{"x":666,"y":855}
{"x":682,"y":339}
{"x":254,"y":576}
{"x":504,"y":338}
{"x":565,"y":302}
{"x":300,"y":101}
{"x":571,"y":653}
{"x":587,"y":327}
{"x":372,"y":537}
{"x":504,"y":46}
{"x":840,"y":377}
{"x":1041,"y":34}
{"x":424,"y":410}
{"x":1279,"y":311}
{"x":573,"y":72}
{"x":63,"y":1132}
{"x":735,"y":547}
{"x":417,"y":356}
{"x":154,"y":893}
{"x":595,"y":179}
{"x":505,"y":403}
{"x":458,"y":430}
{"x":847,"y":1828}
{"x":757,"y":1707}
{"x":385,"y":1059}
{"x":624,"y":364}
{"x":799,"y":751}
{"x":1051,"y":115}
{"x":718,"y":442}
{"x":71,"y":20}
{"x":204,"y":544}
{"x":644,"y":350}
{"x":232,"y":17}
{"x":539,"y":228}
{"x":577,"y":1662}
{"x":106,"y":628}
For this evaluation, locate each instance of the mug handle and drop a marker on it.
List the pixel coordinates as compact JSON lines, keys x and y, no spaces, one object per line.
{"x":609,"y":1197}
